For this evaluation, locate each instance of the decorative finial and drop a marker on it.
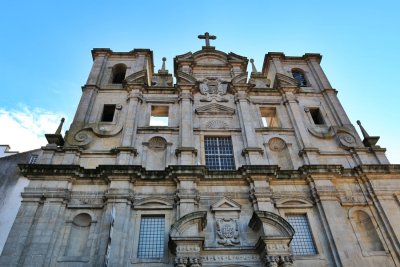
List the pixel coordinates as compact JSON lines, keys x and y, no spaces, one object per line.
{"x":369,"y":141}
{"x":58,"y":131}
{"x":207,"y":37}
{"x":363,"y":131}
{"x":56,"y":138}
{"x":163,"y":64}
{"x":253,"y":67}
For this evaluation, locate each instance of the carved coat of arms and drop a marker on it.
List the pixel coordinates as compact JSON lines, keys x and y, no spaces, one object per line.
{"x":213,"y":88}
{"x":228,"y":232}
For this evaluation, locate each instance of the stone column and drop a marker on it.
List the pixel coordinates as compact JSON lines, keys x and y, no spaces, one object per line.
{"x":260,"y":193}
{"x":251,"y":149}
{"x":120,"y":201}
{"x":127,"y":150}
{"x":186,"y":150}
{"x":296,"y":118}
{"x":187,"y":195}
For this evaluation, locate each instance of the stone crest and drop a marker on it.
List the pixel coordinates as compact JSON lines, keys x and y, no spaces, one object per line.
{"x":228,"y":232}
{"x":213,"y":89}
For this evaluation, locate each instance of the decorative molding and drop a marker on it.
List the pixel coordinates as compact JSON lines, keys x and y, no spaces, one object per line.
{"x":216,"y":124}
{"x":215,"y":109}
{"x":228,"y":231}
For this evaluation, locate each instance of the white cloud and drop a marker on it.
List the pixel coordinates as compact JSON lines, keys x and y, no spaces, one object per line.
{"x":24,"y":128}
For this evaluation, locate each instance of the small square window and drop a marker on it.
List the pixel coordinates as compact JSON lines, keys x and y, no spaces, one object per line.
{"x":268,"y":117}
{"x":159,"y":116}
{"x":151,"y":237}
{"x":316,"y":116}
{"x":108,"y":113}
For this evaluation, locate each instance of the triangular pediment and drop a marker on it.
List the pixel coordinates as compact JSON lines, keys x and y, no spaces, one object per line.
{"x":225,"y":204}
{"x":215,"y":109}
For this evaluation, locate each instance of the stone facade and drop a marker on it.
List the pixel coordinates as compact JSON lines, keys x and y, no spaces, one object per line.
{"x":138,"y":162}
{"x":12,"y":183}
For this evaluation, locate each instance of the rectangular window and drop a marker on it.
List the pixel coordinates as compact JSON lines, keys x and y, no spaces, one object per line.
{"x":302,"y":243}
{"x":151,"y":237}
{"x":316,"y":116}
{"x":159,"y":116}
{"x":219,"y":153}
{"x":108,"y":113}
{"x":33,"y":159}
{"x":268,"y":116}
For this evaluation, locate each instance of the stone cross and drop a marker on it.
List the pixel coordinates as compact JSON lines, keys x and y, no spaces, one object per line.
{"x":207,"y":37}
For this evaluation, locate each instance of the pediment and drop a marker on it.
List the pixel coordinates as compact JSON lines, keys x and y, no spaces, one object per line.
{"x":211,"y":61}
{"x":184,"y":78}
{"x":215,"y":109}
{"x":241,"y":78}
{"x":269,"y":224}
{"x":137,"y":77}
{"x":294,"y":203}
{"x":225,"y":204}
{"x":153,"y":203}
{"x":282,"y":80}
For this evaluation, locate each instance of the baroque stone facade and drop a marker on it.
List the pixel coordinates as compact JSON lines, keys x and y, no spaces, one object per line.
{"x":221,"y":168}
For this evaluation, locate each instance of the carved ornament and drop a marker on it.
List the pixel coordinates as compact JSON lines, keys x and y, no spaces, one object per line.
{"x":228,"y":232}
{"x":213,"y":89}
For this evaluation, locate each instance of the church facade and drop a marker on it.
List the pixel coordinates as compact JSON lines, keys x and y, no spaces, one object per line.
{"x":220,"y":168}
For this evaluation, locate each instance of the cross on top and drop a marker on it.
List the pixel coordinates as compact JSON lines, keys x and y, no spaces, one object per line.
{"x":207,"y":37}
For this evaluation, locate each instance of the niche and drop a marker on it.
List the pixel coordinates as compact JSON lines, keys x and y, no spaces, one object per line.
{"x":156,"y":153}
{"x":79,"y":235}
{"x":279,"y":153}
{"x":366,"y":233}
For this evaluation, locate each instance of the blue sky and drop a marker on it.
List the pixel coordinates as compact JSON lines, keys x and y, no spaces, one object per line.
{"x":45,"y":51}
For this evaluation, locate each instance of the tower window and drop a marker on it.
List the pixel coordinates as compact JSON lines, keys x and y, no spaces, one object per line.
{"x":300,"y":77}
{"x":316,"y":116}
{"x":268,"y":117}
{"x":302,"y":243}
{"x":108,"y":113}
{"x":151,"y":237}
{"x":119,"y":72}
{"x":159,"y":116}
{"x":219,"y":153}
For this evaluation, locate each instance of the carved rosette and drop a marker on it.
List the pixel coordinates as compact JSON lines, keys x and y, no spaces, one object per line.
{"x":276,"y":144}
{"x":346,"y":140}
{"x":228,"y":232}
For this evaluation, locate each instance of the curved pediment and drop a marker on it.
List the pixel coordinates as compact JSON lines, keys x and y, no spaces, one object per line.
{"x":282,"y":80}
{"x":184,"y":78}
{"x":137,"y":77}
{"x":189,"y":225}
{"x":294,"y":203}
{"x":270,"y":224}
{"x":153,"y":203}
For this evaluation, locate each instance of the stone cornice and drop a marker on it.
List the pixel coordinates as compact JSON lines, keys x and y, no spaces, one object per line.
{"x":106,"y":173}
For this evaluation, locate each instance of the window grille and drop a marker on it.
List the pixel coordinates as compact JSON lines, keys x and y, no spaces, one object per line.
{"x":33,"y":159}
{"x":302,"y":243}
{"x":151,"y":237}
{"x":219,"y":153}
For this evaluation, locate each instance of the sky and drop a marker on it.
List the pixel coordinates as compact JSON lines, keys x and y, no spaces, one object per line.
{"x":46,"y":52}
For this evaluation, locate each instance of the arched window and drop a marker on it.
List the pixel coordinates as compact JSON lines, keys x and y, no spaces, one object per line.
{"x":300,"y":77}
{"x":79,"y":235}
{"x":118,"y":72}
{"x":366,"y":232}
